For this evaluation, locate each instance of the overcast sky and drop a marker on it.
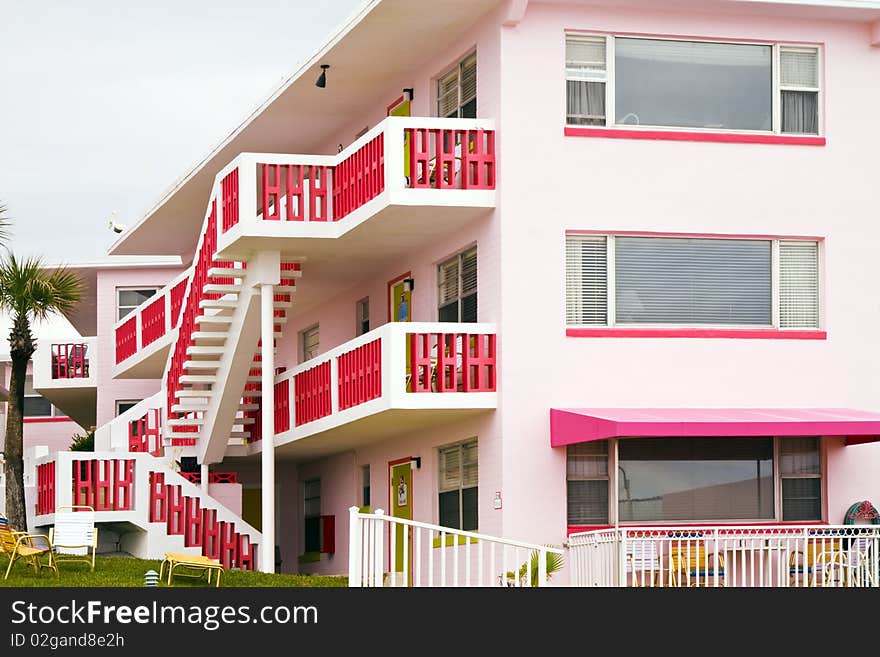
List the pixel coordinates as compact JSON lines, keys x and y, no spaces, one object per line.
{"x":104,"y":104}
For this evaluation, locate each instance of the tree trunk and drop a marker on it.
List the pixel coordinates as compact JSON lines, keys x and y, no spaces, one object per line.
{"x":21,"y":349}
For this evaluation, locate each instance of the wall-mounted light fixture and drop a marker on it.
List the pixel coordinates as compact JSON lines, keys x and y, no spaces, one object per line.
{"x":409,"y":284}
{"x":322,"y":79}
{"x":407,"y":93}
{"x":417,"y":460}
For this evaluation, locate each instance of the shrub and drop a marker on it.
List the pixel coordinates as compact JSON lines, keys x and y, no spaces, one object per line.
{"x":83,"y":442}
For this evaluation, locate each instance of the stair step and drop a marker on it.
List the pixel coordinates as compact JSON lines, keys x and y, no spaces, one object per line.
{"x":251,"y":393}
{"x":239,"y":434}
{"x":189,"y":408}
{"x":209,"y":335}
{"x":243,"y":421}
{"x":248,"y":407}
{"x":284,"y":289}
{"x":201,"y":365}
{"x":218,"y":288}
{"x":198,"y":378}
{"x":226,"y":272}
{"x":205,"y":351}
{"x":214,"y":319}
{"x":182,"y":434}
{"x":218,"y":303}
{"x":186,"y":421}
{"x":189,"y":393}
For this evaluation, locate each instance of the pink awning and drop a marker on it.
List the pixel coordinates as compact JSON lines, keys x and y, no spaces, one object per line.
{"x":579,"y":425}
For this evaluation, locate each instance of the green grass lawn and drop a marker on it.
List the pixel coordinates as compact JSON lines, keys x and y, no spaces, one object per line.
{"x":117,"y":571}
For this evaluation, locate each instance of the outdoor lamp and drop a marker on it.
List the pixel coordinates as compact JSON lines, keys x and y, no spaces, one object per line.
{"x":409,"y":284}
{"x":322,"y":79}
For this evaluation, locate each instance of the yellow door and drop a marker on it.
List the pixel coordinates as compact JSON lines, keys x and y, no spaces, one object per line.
{"x":401,"y":503}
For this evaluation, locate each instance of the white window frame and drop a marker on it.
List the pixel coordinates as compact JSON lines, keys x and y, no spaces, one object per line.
{"x":774,"y":283}
{"x":132,"y":288}
{"x":438,"y":491}
{"x":613,"y":501}
{"x":314,"y":328}
{"x":360,"y":306}
{"x":459,"y":259}
{"x":456,"y":69}
{"x":54,"y":411}
{"x":776,"y":94}
{"x":119,"y":402}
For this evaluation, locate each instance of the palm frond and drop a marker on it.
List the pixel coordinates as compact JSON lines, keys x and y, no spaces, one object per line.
{"x":27,"y":287}
{"x":5,"y":225}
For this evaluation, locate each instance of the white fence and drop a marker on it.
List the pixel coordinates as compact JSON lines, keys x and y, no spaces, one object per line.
{"x":431,"y":556}
{"x":746,"y":556}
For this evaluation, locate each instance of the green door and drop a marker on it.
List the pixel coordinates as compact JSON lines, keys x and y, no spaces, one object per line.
{"x":401,"y":507}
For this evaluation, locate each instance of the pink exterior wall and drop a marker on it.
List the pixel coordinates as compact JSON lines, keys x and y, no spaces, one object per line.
{"x":341,"y":481}
{"x":56,"y":434}
{"x":550,"y":183}
{"x":109,"y":389}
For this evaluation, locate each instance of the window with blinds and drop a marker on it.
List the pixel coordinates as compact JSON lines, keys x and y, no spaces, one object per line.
{"x":457,"y":90}
{"x":692,"y":281}
{"x":630,"y":81}
{"x":587,"y":483}
{"x":799,"y":90}
{"x":585,"y":78}
{"x":458,"y":486}
{"x":800,"y":469}
{"x":798,"y":284}
{"x":457,"y":288}
{"x":671,"y":281}
{"x":311,"y":340}
{"x":586,"y":280}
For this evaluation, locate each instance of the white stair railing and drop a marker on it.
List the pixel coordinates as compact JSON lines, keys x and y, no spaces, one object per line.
{"x":426,"y":555}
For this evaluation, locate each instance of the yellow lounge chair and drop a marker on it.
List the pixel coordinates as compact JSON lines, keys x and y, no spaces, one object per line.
{"x":31,"y":547}
{"x":193,"y":565}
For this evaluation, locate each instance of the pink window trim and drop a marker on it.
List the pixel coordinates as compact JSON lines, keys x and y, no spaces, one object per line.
{"x":685,"y":135}
{"x":743,"y":334}
{"x":660,"y":233}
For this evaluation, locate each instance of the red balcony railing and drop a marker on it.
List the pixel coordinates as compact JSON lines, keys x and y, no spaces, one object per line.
{"x":103,"y":484}
{"x":312,"y":393}
{"x":452,"y":362}
{"x":69,"y":361}
{"x":360,"y":374}
{"x":46,"y":488}
{"x":126,"y":339}
{"x":282,"y":406}
{"x":229,"y":198}
{"x":451,"y":159}
{"x":153,"y":321}
{"x":359,"y":178}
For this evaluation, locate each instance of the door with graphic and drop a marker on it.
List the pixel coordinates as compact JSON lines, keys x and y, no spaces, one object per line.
{"x":400,"y":310}
{"x":401,"y":504}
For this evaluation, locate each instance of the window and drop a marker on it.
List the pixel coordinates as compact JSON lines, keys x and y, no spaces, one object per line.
{"x":683,"y":479}
{"x":124,"y":405}
{"x":690,"y":281}
{"x":587,"y":485}
{"x":362,"y":316}
{"x":625,"y":81}
{"x":458,"y":486}
{"x":679,"y":479}
{"x":457,"y":281}
{"x":310,"y":343}
{"x":35,"y":405}
{"x":800,"y":471}
{"x":365,"y":485}
{"x":127,"y":299}
{"x":312,"y":515}
{"x":457,"y":90}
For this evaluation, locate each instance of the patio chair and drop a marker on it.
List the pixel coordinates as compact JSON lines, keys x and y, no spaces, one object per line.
{"x":822,"y":557}
{"x":30,"y":547}
{"x":74,"y":536}
{"x":643,"y":563}
{"x":692,"y":564}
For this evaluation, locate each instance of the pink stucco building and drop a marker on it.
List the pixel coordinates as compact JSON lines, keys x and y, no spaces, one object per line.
{"x":529,"y":270}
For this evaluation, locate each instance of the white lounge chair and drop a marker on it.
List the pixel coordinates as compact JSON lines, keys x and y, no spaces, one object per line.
{"x":74,"y":536}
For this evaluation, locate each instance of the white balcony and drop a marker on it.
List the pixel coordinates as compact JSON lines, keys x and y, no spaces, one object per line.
{"x":385,"y":382}
{"x":65,"y":374}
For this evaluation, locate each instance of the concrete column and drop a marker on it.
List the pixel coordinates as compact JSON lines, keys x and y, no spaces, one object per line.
{"x":205,"y":477}
{"x":267,"y":328}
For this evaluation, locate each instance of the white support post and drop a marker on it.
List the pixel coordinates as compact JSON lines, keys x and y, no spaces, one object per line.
{"x":267,"y":328}
{"x":354,"y":548}
{"x":205,"y":477}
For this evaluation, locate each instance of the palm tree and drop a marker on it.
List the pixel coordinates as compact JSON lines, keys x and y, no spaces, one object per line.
{"x":28,"y":290}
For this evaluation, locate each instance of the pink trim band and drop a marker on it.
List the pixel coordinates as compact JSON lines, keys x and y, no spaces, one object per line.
{"x":742,"y":334}
{"x":57,"y":418}
{"x":681,"y":135}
